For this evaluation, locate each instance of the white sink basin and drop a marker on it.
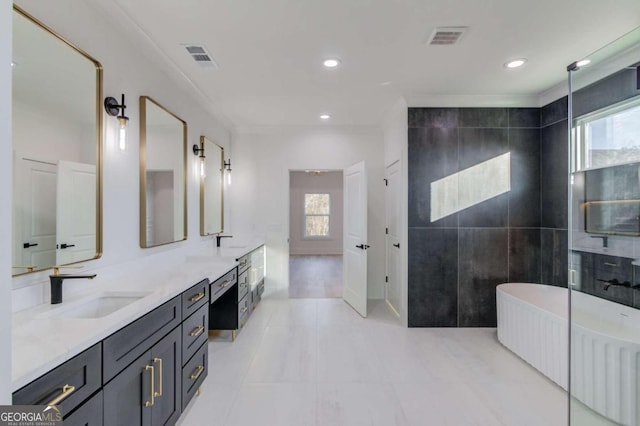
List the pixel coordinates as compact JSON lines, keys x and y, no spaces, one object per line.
{"x":96,"y":307}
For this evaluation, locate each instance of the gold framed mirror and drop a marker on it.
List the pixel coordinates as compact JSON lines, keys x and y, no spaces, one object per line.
{"x":211,"y":187}
{"x":163,"y":175}
{"x":57,"y":149}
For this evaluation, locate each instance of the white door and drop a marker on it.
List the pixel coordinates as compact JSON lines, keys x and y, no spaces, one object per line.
{"x":355,"y":238}
{"x":34,"y":214}
{"x":76,"y":206}
{"x":393,"y":209}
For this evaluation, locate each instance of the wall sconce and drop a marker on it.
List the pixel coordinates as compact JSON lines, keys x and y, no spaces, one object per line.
{"x":199,"y":151}
{"x":112,"y":107}
{"x":227,"y":169}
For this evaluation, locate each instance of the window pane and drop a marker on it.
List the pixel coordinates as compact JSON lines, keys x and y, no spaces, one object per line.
{"x":317,"y":226}
{"x":316,"y":203}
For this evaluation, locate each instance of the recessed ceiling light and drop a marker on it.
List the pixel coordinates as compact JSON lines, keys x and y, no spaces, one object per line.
{"x":331,"y":62}
{"x":386,"y":83}
{"x":13,"y":64}
{"x":583,"y":62}
{"x":516,"y":63}
{"x":325,"y":116}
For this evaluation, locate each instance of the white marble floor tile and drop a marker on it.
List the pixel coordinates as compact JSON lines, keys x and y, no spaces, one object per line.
{"x":358,"y":404}
{"x":295,"y":312}
{"x":286,"y":355}
{"x":336,"y":312}
{"x":443,"y":404}
{"x":211,"y":407}
{"x":344,"y":356}
{"x":281,"y":404}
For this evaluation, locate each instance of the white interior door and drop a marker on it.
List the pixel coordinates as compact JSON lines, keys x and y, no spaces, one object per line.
{"x":355,"y":238}
{"x":34,"y":215}
{"x":393,"y":209}
{"x":76,"y":206}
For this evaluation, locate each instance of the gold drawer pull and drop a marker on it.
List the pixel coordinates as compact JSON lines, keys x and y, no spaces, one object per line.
{"x":159,"y":361}
{"x":196,"y":331}
{"x":197,"y":297}
{"x":66,"y":391}
{"x":153,"y":386}
{"x":243,"y":310}
{"x":197,"y":373}
{"x":243,"y":285}
{"x":615,"y":265}
{"x":224,"y":284}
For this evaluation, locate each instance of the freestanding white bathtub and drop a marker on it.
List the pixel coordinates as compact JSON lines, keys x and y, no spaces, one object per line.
{"x":532,"y":322}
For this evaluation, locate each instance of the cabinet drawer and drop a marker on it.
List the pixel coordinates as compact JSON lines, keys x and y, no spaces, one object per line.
{"x":89,"y":414}
{"x":219,"y":286}
{"x":244,"y":307}
{"x":194,"y":298}
{"x":243,"y":263}
{"x":83,"y":372}
{"x":124,"y":346}
{"x":243,"y":284}
{"x":193,"y":374}
{"x":260,"y":289}
{"x":194,"y":332}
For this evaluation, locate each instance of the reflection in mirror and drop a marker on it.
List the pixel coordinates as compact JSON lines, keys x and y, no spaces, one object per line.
{"x":163,"y":184}
{"x":211,"y":189}
{"x":56,"y":139}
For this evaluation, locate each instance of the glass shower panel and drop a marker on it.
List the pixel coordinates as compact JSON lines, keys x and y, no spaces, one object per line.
{"x":604,"y":235}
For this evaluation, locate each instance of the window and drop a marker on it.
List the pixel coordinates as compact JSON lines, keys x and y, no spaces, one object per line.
{"x":317,"y":208}
{"x":608,"y":137}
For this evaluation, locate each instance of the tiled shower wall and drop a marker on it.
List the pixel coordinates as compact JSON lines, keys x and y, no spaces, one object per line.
{"x":455,"y":263}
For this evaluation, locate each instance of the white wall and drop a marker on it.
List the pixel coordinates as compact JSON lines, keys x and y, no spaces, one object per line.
{"x":260,"y":205}
{"x":126,"y":70}
{"x":5,"y":206}
{"x":396,"y":141}
{"x":302,"y":183}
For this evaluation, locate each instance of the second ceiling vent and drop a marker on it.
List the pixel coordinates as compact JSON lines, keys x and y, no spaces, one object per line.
{"x":444,"y":36}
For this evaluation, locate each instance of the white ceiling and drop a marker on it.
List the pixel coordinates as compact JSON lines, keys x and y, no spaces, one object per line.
{"x":270,"y":52}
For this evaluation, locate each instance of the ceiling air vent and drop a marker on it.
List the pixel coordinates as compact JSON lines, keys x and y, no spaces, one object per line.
{"x":201,"y":56}
{"x":444,"y":36}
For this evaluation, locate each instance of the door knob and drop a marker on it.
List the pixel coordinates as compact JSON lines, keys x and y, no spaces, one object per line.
{"x":362,"y":246}
{"x":27,"y":245}
{"x":397,"y":245}
{"x":64,"y":246}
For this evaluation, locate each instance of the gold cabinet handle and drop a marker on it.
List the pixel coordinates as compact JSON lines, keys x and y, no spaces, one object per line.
{"x":196,"y":331}
{"x":615,"y":265}
{"x":66,"y":391}
{"x":224,"y":284}
{"x":153,"y":386}
{"x":159,"y":361}
{"x":197,"y":373}
{"x":243,"y":310}
{"x":243,"y":285}
{"x":197,"y":297}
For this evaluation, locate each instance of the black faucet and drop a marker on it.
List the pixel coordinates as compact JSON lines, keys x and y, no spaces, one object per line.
{"x":56,"y":283}
{"x":614,"y":282}
{"x":220,"y":237}
{"x":605,"y":240}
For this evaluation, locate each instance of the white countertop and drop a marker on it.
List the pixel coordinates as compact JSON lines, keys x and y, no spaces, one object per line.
{"x":41,"y":340}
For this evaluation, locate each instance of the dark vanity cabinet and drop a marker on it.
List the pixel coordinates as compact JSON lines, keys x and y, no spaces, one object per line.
{"x":143,"y":374}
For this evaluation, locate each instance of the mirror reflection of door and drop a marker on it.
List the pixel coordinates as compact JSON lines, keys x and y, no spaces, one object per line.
{"x":34,"y":213}
{"x":76,"y":212}
{"x":160,"y":196}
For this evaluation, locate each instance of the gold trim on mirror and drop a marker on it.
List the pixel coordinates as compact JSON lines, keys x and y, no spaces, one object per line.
{"x":203,"y":231}
{"x":99,"y":136}
{"x":143,"y":169}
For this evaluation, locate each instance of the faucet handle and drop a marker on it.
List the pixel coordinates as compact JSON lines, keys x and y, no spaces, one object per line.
{"x":56,"y":269}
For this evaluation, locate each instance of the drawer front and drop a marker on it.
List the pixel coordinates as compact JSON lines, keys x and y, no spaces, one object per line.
{"x":254,"y":298}
{"x":219,"y":286}
{"x":260,"y":289}
{"x":193,"y":374}
{"x":89,"y":414}
{"x":194,"y":298}
{"x":194,"y":332}
{"x":244,"y":310}
{"x":243,"y":284}
{"x":124,"y":346}
{"x":83,"y":372}
{"x":243,"y":263}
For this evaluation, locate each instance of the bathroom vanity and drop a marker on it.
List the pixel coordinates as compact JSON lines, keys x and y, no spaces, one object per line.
{"x":139,"y":362}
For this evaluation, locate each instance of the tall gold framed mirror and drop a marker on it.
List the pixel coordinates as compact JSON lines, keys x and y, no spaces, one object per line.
{"x":211,"y":187}
{"x":163,"y":175}
{"x":57,"y":149}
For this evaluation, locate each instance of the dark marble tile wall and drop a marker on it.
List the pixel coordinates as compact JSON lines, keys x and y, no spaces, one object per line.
{"x":456,"y":263}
